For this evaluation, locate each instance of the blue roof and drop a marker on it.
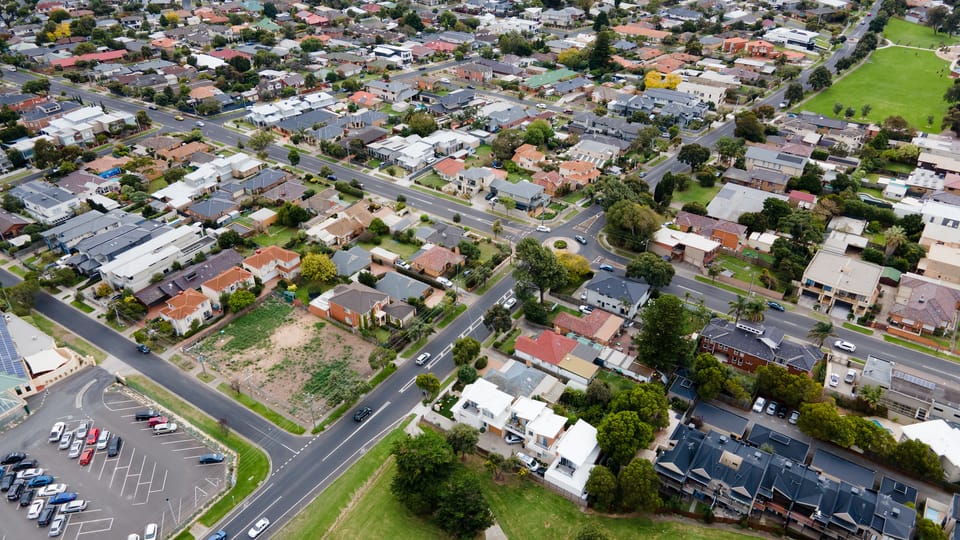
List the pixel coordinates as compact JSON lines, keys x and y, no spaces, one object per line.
{"x":10,"y":363}
{"x":721,"y":419}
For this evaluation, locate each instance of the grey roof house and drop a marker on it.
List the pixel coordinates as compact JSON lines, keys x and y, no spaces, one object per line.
{"x":620,"y":295}
{"x":351,"y":261}
{"x":400,"y":287}
{"x":747,"y":346}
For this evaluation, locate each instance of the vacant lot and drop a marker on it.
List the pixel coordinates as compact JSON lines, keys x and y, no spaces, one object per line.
{"x":894,"y":81}
{"x":902,"y":32}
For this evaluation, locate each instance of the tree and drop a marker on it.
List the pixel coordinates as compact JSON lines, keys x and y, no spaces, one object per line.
{"x":318,"y":267}
{"x":936,"y":17}
{"x":927,"y":529}
{"x":578,"y":267}
{"x":894,"y":237}
{"x":662,"y":340}
{"x":755,"y":308}
{"x":241,"y":299}
{"x":465,"y":350}
{"x":414,"y":21}
{"x":710,"y":376}
{"x":821,"y":421}
{"x":469,"y":250}
{"x":293,"y":157}
{"x":865,"y":109}
{"x":423,"y":463}
{"x":737,"y":307}
{"x":496,"y":228}
{"x":377,"y":227}
{"x":601,"y":21}
{"x":729,"y":149}
{"x":647,"y":400}
{"x":651,"y":268}
{"x":917,"y":458}
{"x":748,"y":127}
{"x":794,"y":93}
{"x":663,"y":193}
{"x":506,"y":142}
{"x":621,"y":434}
{"x":598,"y":393}
{"x":36,"y":86}
{"x":463,"y":439}
{"x":461,"y":510}
{"x":601,"y":52}
{"x":538,"y":133}
{"x":260,"y":140}
{"x":694,"y":155}
{"x":270,"y":10}
{"x":422,"y":124}
{"x":45,"y":154}
{"x":602,"y":487}
{"x":380,"y":357}
{"x":639,"y":486}
{"x":497,"y":319}
{"x":429,"y":384}
{"x":820,"y":332}
{"x":447,"y":20}
{"x":368,"y":279}
{"x":467,"y":374}
{"x":631,"y":225}
{"x":537,"y":265}
{"x":820,"y":78}
{"x":837,"y":107}
{"x":775,"y":380}
{"x":143,"y":119}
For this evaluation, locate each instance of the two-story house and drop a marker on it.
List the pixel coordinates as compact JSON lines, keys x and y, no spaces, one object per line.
{"x":840,"y":282}
{"x":186,"y":310}
{"x":577,"y":453}
{"x":747,"y":346}
{"x":759,"y":157}
{"x":620,"y":295}
{"x":273,"y":262}
{"x":483,"y":406}
{"x":354,"y":305}
{"x":228,"y":282}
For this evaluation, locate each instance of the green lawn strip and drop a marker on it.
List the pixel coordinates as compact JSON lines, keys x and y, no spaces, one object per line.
{"x":742,"y":270}
{"x":206,"y":377}
{"x":81,"y":306}
{"x":256,"y":325}
{"x":156,"y":185}
{"x":696,"y":193}
{"x":893,"y":81}
{"x":404,"y":250}
{"x":64,"y":337}
{"x":435,"y":193}
{"x":720,"y":285}
{"x":432,"y":180}
{"x":453,"y":315}
{"x":273,"y":416}
{"x":507,"y":347}
{"x":335,"y":415}
{"x":317,"y":518}
{"x":920,"y":348}
{"x":252,"y":467}
{"x":413,"y":347}
{"x":911,"y":34}
{"x":494,"y":280}
{"x":616,"y":382}
{"x":16,"y":269}
{"x":277,"y":235}
{"x":184,"y":535}
{"x":858,"y":328}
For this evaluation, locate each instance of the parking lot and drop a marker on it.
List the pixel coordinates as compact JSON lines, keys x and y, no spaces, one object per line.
{"x":153,"y":479}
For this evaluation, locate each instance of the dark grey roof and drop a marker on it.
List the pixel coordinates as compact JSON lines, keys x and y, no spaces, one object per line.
{"x":684,"y":388}
{"x":711,"y":464}
{"x":306,"y":120}
{"x":764,"y":175}
{"x":768,"y":346}
{"x":893,"y":519}
{"x":782,"y":444}
{"x":214,"y":207}
{"x":675,"y":462}
{"x":620,"y":288}
{"x":265,"y":179}
{"x":191,"y":277}
{"x":400,"y":287}
{"x":351,"y":261}
{"x":720,"y":419}
{"x":441,"y":234}
{"x":13,"y":98}
{"x":107,"y":245}
{"x":898,"y":491}
{"x":842,"y":469}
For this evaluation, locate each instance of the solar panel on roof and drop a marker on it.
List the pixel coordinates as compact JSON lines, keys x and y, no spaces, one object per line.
{"x":9,"y":358}
{"x":915,"y":380}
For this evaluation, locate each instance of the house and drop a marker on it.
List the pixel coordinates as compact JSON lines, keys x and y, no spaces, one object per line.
{"x":923,"y":305}
{"x":759,"y":157}
{"x":535,"y":421}
{"x":910,"y":392}
{"x":45,"y":202}
{"x":781,"y":443}
{"x":400,"y":287}
{"x":448,"y":168}
{"x":473,"y":181}
{"x":734,"y":200}
{"x":721,"y":420}
{"x":273,"y":262}
{"x":730,"y":235}
{"x":529,"y":197}
{"x":760,"y":179}
{"x":340,"y":229}
{"x":186,"y":311}
{"x":354,"y":305}
{"x":564,"y":18}
{"x":599,"y":326}
{"x":477,"y":73}
{"x":183,"y":153}
{"x":11,"y":224}
{"x":577,"y":452}
{"x":189,"y":277}
{"x":483,"y":406}
{"x":551,"y":182}
{"x":687,"y":247}
{"x":435,"y":261}
{"x":620,"y":295}
{"x":943,"y":438}
{"x":942,"y":262}
{"x":228,"y":282}
{"x":135,"y":267}
{"x":837,"y":281}
{"x":747,"y":346}
{"x":212,"y":208}
{"x":351,"y":261}
{"x":39,"y":117}
{"x":391,"y":92}
{"x":578,"y":174}
{"x":527,"y":157}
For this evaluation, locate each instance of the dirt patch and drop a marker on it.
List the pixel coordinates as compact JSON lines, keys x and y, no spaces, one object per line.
{"x":275,"y":370}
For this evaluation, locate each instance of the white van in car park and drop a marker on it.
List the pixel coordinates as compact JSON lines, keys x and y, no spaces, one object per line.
{"x":160,"y":429}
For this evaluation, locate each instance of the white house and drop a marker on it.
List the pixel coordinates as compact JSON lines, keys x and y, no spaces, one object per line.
{"x":82,"y":125}
{"x":135,"y":267}
{"x":944,"y":439}
{"x":483,"y":405}
{"x":45,"y":202}
{"x":185,"y":310}
{"x":619,"y":295}
{"x":577,"y":451}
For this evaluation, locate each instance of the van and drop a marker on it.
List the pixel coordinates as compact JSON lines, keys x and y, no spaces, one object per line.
{"x":161,"y":429}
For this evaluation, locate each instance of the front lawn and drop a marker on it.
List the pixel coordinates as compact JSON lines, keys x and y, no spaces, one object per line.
{"x":276,"y":235}
{"x":432,"y":180}
{"x":742,"y":270}
{"x":911,"y":34}
{"x":696,"y":193}
{"x":388,"y":243}
{"x":894,"y":81}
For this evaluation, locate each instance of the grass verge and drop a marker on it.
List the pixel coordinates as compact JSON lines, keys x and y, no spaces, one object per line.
{"x":273,"y":416}
{"x":435,"y":193}
{"x":719,"y":285}
{"x":206,"y":377}
{"x":858,"y":328}
{"x":453,"y":315}
{"x":252,"y":466}
{"x":81,"y":306}
{"x":919,"y":348}
{"x":64,"y":337}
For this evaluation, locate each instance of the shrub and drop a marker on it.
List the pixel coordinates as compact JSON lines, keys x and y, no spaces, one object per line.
{"x":560,"y":244}
{"x":480,"y":363}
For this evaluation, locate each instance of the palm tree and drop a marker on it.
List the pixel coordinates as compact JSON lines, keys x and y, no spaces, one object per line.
{"x":754,"y":309}
{"x":737,"y":307}
{"x":497,"y":228}
{"x":418,"y":328}
{"x":482,"y":274}
{"x":895,"y":237}
{"x":820,"y":332}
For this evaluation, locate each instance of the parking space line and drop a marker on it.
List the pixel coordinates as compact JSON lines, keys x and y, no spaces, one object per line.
{"x":107,"y":525}
{"x":148,"y":483}
{"x":139,"y":475}
{"x":123,"y":467}
{"x":185,"y":449}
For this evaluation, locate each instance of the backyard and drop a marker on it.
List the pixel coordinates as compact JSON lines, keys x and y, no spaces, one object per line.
{"x":696,"y":193}
{"x":276,"y":235}
{"x":894,"y":81}
{"x":901,"y":32}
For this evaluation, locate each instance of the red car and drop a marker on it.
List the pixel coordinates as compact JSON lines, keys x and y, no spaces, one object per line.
{"x":157,"y":420}
{"x":92,"y":435}
{"x":87,"y":456}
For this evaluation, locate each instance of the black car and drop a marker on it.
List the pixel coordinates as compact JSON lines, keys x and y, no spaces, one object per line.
{"x":27,"y":497}
{"x":362,"y":414}
{"x":143,"y":349}
{"x":775,"y":306}
{"x":207,"y":459}
{"x":489,"y":196}
{"x":113,"y":447}
{"x":13,"y":457}
{"x":15,"y":490}
{"x":46,"y":515}
{"x":580,"y":239}
{"x":7,"y":481}
{"x":25,"y":464}
{"x":782,"y":411}
{"x":143,"y":416}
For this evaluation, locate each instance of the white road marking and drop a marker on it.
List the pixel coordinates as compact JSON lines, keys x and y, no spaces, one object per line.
{"x":78,"y":401}
{"x":408,"y":384}
{"x":334,"y":451}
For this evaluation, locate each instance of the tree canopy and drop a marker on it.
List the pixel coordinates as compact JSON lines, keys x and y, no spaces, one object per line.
{"x":651,"y":268}
{"x":662,"y":340}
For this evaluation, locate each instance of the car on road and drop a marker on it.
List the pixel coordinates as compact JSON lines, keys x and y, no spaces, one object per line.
{"x":541,"y":106}
{"x":850,"y":376}
{"x":87,"y":456}
{"x":63,"y":498}
{"x":75,"y":449}
{"x":157,"y":420}
{"x":219,"y":535}
{"x":759,"y":404}
{"x":113,"y":447}
{"x":143,"y":416}
{"x":35,"y":508}
{"x":51,"y":490}
{"x":568,"y":111}
{"x":208,"y":459}
{"x":143,"y":349}
{"x":13,"y":457}
{"x":772,"y":408}
{"x":775,"y":306}
{"x":93,"y":436}
{"x":586,"y":309}
{"x":46,"y":516}
{"x":103,"y":440}
{"x":362,"y":414}
{"x":65,"y":440}
{"x":845,"y":345}
{"x":40,"y":481}
{"x":580,"y":240}
{"x":57,"y":526}
{"x":423,"y":359}
{"x":528,"y":461}
{"x":150,"y":532}
{"x":331,"y":177}
{"x":162,"y":429}
{"x":510,"y":303}
{"x":178,"y":118}
{"x":82,"y":429}
{"x":794,"y":416}
{"x":200,"y":124}
{"x":152,"y":107}
{"x":606,"y":268}
{"x":258,"y":527}
{"x":543,"y":228}
{"x":27,"y":474}
{"x":834,"y":380}
{"x":71,"y":507}
{"x":513,"y":439}
{"x":56,"y":432}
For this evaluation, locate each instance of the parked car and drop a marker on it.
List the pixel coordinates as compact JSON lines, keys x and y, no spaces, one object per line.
{"x":27,"y":496}
{"x":585,"y":309}
{"x":580,"y":240}
{"x":15,"y":490}
{"x":513,"y":439}
{"x":207,"y":459}
{"x":528,"y":461}
{"x":445,"y":282}
{"x":794,"y":416}
{"x":150,"y":532}
{"x":56,"y":432}
{"x":24,"y":465}
{"x":258,"y":527}
{"x":82,"y":429}
{"x":423,"y":358}
{"x":772,"y":408}
{"x":489,"y":195}
{"x":850,"y":376}
{"x":543,"y":228}
{"x":6,"y":481}
{"x":775,"y":306}
{"x":92,"y":436}
{"x":63,"y":498}
{"x":162,"y":429}
{"x":845,"y":345}
{"x":74,"y":506}
{"x":51,"y":490}
{"x":759,"y":404}
{"x":113,"y":447}
{"x":29,"y":473}
{"x":143,"y":416}
{"x":87,"y":456}
{"x":157,"y":420}
{"x":782,"y":411}
{"x":102,"y":440}
{"x":143,"y":349}
{"x":65,"y":440}
{"x":35,"y":509}
{"x":40,"y":481}
{"x":75,"y":449}
{"x":834,"y":380}
{"x":13,"y":457}
{"x":46,"y":515}
{"x":510,"y":302}
{"x":57,"y":526}
{"x":362,"y":414}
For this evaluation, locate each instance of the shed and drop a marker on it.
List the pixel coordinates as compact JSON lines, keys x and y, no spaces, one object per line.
{"x":383,"y":256}
{"x":262,"y":219}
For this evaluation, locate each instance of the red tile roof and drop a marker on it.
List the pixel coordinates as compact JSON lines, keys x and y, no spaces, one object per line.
{"x":108,"y":56}
{"x":549,"y":346}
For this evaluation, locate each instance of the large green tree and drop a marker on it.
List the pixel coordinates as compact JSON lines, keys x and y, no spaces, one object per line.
{"x":710,"y":376}
{"x":538,"y":266}
{"x":631,"y":225}
{"x":621,"y":434}
{"x":318,"y":267}
{"x":694,"y":155}
{"x":497,"y":319}
{"x":917,"y":458}
{"x":602,"y":487}
{"x":465,"y":350}
{"x":423,"y":463}
{"x":820,"y":78}
{"x":639,"y":486}
{"x":652,"y":268}
{"x":463,"y":439}
{"x":662,"y":342}
{"x":462,"y":511}
{"x":749,"y":127}
{"x":648,"y":400}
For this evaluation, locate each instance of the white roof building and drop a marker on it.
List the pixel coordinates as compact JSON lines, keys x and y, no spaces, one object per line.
{"x":944,"y":439}
{"x":578,"y":451}
{"x":483,"y":405}
{"x":134,"y":268}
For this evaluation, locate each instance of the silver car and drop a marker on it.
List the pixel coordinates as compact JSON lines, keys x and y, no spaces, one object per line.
{"x":57,"y":526}
{"x":103,"y":440}
{"x":75,"y":449}
{"x":66,"y":440}
{"x":82,"y":429}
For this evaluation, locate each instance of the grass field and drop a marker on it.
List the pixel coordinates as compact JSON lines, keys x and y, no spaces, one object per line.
{"x":902,"y":32}
{"x":696,"y":193}
{"x":256,"y":325}
{"x":894,"y":81}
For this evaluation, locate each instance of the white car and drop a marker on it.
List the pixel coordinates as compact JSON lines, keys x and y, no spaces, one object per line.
{"x":528,"y":461}
{"x":103,"y":440}
{"x":510,"y":303}
{"x":75,"y":448}
{"x":258,"y":528}
{"x":844,"y":345}
{"x":81,"y":431}
{"x":150,"y":533}
{"x":543,"y":228}
{"x":851,"y":376}
{"x":51,"y":490}
{"x":160,"y":429}
{"x":35,"y":508}
{"x":834,"y":380}
{"x":30,"y":473}
{"x":759,"y":404}
{"x":57,"y":526}
{"x":56,"y":432}
{"x":74,"y":506}
{"x":445,"y":282}
{"x":541,"y":106}
{"x":423,"y":359}
{"x":586,"y":309}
